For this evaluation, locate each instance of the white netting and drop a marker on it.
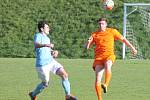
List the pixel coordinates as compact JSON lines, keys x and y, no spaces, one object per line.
{"x":145,"y":17}
{"x":138,"y":30}
{"x":130,"y":35}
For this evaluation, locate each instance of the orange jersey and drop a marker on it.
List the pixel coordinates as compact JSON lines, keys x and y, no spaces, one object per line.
{"x":104,"y":41}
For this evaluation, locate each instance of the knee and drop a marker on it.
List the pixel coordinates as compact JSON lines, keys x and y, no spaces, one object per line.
{"x":65,"y":75}
{"x":108,"y":69}
{"x":97,"y":81}
{"x":45,"y":84}
{"x":108,"y":65}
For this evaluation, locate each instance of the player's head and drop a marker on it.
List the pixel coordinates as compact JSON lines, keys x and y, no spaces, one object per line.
{"x":102,"y":23}
{"x":43,"y":27}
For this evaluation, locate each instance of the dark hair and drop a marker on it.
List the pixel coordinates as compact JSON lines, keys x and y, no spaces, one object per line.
{"x":41,"y":24}
{"x":102,"y":19}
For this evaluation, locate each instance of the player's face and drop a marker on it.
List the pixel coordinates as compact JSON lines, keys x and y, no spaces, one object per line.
{"x":102,"y":25}
{"x":46,"y":29}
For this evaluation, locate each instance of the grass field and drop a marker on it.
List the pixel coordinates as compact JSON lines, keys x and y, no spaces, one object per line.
{"x":130,"y":81}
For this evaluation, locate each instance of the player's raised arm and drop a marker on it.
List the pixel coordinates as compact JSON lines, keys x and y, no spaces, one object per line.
{"x":89,"y":42}
{"x":134,"y":51}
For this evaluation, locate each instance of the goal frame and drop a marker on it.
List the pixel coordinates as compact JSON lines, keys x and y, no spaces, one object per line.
{"x":125,"y":15}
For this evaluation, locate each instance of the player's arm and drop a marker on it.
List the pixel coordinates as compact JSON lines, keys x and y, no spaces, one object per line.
{"x":39,"y":45}
{"x":89,"y":42}
{"x":124,"y":40}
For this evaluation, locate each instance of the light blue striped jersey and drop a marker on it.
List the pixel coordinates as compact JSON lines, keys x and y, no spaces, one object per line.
{"x":43,"y":54}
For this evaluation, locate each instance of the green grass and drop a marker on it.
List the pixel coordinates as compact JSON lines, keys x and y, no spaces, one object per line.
{"x":130,"y":81}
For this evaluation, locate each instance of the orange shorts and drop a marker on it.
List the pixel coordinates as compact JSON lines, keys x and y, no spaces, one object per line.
{"x":102,"y":60}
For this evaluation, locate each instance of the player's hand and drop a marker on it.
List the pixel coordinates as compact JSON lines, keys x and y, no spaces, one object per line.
{"x":55,"y":53}
{"x":134,"y":51}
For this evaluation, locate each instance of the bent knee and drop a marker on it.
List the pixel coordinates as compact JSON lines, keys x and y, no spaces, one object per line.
{"x":66,"y":75}
{"x":45,"y":84}
{"x":62,"y":73}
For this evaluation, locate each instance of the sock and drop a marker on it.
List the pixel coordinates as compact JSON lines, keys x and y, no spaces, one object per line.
{"x":98,"y":90}
{"x":66,"y":86}
{"x":38,"y":89}
{"x":107,"y":78}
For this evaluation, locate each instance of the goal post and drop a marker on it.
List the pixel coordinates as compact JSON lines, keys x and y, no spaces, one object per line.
{"x":136,"y":15}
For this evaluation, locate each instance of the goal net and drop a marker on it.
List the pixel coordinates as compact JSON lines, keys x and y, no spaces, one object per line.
{"x":137,"y":30}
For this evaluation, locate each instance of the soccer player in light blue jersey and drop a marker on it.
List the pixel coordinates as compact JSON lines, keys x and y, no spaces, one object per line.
{"x":45,"y":63}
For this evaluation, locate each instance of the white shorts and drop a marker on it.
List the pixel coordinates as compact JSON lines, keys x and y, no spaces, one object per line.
{"x":44,"y":71}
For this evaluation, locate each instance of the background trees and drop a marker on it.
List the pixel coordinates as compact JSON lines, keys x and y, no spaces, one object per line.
{"x":72,"y":22}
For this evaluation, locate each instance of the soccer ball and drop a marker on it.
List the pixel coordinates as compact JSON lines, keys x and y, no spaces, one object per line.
{"x":108,"y":4}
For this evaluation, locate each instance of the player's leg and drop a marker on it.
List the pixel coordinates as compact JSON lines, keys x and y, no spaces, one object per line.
{"x":99,"y":69}
{"x":37,"y":90}
{"x":60,"y":71}
{"x":66,"y":84}
{"x":108,"y":74}
{"x":43,"y":73}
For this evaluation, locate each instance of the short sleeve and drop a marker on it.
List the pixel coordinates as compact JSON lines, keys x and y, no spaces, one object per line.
{"x":37,"y":38}
{"x":92,"y":37}
{"x":117,"y":35}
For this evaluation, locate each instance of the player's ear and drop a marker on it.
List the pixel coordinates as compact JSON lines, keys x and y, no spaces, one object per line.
{"x":41,"y":29}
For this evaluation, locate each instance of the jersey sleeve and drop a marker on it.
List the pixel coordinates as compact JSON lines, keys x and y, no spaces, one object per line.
{"x":93,"y":36}
{"x":37,"y":38}
{"x":117,"y":35}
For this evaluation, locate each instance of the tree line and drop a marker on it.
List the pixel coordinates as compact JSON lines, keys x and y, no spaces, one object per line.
{"x":71,"y":21}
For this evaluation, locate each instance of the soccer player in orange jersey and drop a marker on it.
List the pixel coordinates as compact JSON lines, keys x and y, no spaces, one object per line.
{"x":104,"y":58}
